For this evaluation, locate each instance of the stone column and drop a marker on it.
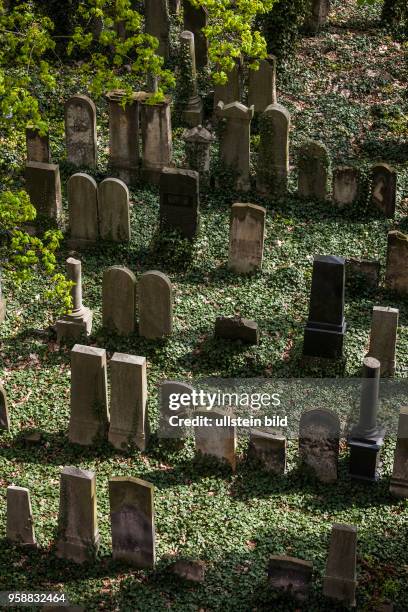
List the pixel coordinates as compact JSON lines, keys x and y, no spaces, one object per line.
{"x":193,"y":109}
{"x":157,"y":24}
{"x":340,"y":580}
{"x":198,"y":142}
{"x":399,"y":478}
{"x":157,"y":144}
{"x":4,"y":415}
{"x":396,"y":273}
{"x":20,"y":527}
{"x":262,"y":85}
{"x":195,"y":19}
{"x":273,"y":156}
{"x":38,"y":147}
{"x":79,"y":321}
{"x":43,"y":185}
{"x":383,"y":338}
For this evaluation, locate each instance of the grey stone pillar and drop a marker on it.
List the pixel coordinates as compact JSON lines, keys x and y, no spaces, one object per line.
{"x":193,"y":110}
{"x":79,"y":321}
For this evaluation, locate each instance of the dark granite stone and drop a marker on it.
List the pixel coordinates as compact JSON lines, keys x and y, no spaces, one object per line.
{"x":237,"y":328}
{"x":179,"y":201}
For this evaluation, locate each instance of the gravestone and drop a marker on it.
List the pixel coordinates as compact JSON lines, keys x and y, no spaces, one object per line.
{"x":114,"y":213}
{"x":262,"y":85}
{"x":340,"y":579}
{"x":155,"y":300}
{"x":319,"y":11}
{"x":198,"y":142}
{"x":78,"y":535}
{"x":235,"y":141}
{"x":43,"y":185}
{"x":83,"y":209}
{"x":89,"y":395}
{"x":384,"y":189}
{"x":313,"y":170}
{"x":128,"y":402}
{"x":132,"y":521}
{"x":268,"y":450}
{"x":195,"y":19}
{"x":231,"y":91}
{"x":396,"y":273}
{"x":3,"y":302}
{"x":119,"y":300}
{"x":346,"y":185}
{"x":38,"y":146}
{"x":237,"y":328}
{"x":399,"y":478}
{"x":193,"y":108}
{"x":383,"y":338}
{"x":20,"y":525}
{"x":157,"y":147}
{"x":290,"y":575}
{"x":319,"y":439}
{"x":179,"y":201}
{"x":169,"y":389}
{"x":174,"y":6}
{"x":4,"y":414}
{"x":80,"y":131}
{"x":273,"y":156}
{"x":246,"y":242}
{"x":157,"y":24}
{"x":79,"y":322}
{"x":367,"y":270}
{"x":193,"y":571}
{"x":218,"y":440}
{"x":326,"y":325}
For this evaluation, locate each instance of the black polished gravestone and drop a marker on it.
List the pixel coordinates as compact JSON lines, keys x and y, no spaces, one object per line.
{"x":326,"y":326}
{"x":367,"y":437}
{"x":179,"y":201}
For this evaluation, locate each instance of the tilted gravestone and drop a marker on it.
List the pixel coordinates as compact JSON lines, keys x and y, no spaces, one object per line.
{"x":43,"y":185}
{"x":290,"y":575}
{"x":157,"y":144}
{"x":179,"y":201}
{"x":155,"y":302}
{"x":399,"y":478}
{"x":246,"y":242}
{"x":346,"y":185}
{"x":383,"y":338}
{"x":273,"y":156}
{"x":83,"y":209}
{"x":340,"y":579}
{"x":114,"y":212}
{"x":313,"y":170}
{"x":157,"y":24}
{"x":384,"y":189}
{"x":319,"y":439}
{"x":79,"y":321}
{"x":396,"y":273}
{"x":217,"y":440}
{"x":268,"y":450}
{"x":132,"y":521}
{"x":4,"y":414}
{"x":80,"y":131}
{"x":235,"y":141}
{"x":119,"y":300}
{"x":195,"y":19}
{"x":20,"y":525}
{"x":262,"y":85}
{"x":38,"y":146}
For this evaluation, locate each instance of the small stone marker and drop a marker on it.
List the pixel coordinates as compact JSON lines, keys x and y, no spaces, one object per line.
{"x":235,"y":141}
{"x":383,"y":338}
{"x":262,"y":85}
{"x":247,"y":233}
{"x":193,"y":110}
{"x":193,"y":571}
{"x":169,"y":389}
{"x":319,"y":438}
{"x":290,"y":575}
{"x":132,"y":521}
{"x":396,"y":273}
{"x":340,"y":580}
{"x":4,"y":415}
{"x":80,"y":131}
{"x":365,"y":269}
{"x":346,"y":185}
{"x":237,"y":328}
{"x":269,"y":450}
{"x":231,"y":91}
{"x":155,"y":299}
{"x":78,"y":535}
{"x":114,"y":213}
{"x":218,"y":440}
{"x":273,"y":156}
{"x":119,"y":300}
{"x":83,"y":209}
{"x":89,"y":395}
{"x":128,"y":402}
{"x":195,"y":19}
{"x":399,"y":478}
{"x":79,"y":321}
{"x":157,"y":144}
{"x":180,"y":201}
{"x":43,"y":185}
{"x":384,"y":189}
{"x":157,"y":24}
{"x":20,"y":527}
{"x":38,"y":147}
{"x":198,"y":141}
{"x":313,"y":170}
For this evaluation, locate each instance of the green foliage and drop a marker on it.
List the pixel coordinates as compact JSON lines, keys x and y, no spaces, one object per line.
{"x":282,"y":26}
{"x":395,"y":16}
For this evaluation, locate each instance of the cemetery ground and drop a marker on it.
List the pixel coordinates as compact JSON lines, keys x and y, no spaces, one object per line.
{"x":346,"y":87}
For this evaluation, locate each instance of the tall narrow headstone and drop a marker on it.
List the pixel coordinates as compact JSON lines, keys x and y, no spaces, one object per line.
{"x":155,"y":301}
{"x":4,"y":415}
{"x":340,"y":579}
{"x":38,"y":146}
{"x":235,"y":141}
{"x":273,"y":156}
{"x":128,"y":402}
{"x":246,"y":243}
{"x":396,"y":273}
{"x":319,"y":439}
{"x":193,"y":109}
{"x":383,"y":338}
{"x":80,"y":131}
{"x":83,"y":209}
{"x":78,"y":535}
{"x":399,"y":478}
{"x":262,"y":85}
{"x":89,"y":395}
{"x":195,"y":19}
{"x":198,"y":142}
{"x":313,"y":170}
{"x":179,"y":201}
{"x":132,"y":521}
{"x":326,"y":325}
{"x":346,"y":181}
{"x":119,"y":300}
{"x":43,"y":185}
{"x":269,"y":450}
{"x":231,"y":91}
{"x":79,"y":321}
{"x":384,"y":189}
{"x":114,"y":213}
{"x":219,"y":439}
{"x":157,"y":24}
{"x":20,"y":525}
{"x":172,"y":391}
{"x":157,"y":143}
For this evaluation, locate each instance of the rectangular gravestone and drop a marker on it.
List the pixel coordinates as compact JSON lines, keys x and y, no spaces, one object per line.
{"x":365,"y":270}
{"x":247,"y":232}
{"x":396,"y":273}
{"x":235,"y":142}
{"x":4,"y":415}
{"x":340,"y":580}
{"x":262,"y":85}
{"x":399,"y":478}
{"x":179,"y":201}
{"x":20,"y":528}
{"x":38,"y":146}
{"x":290,"y":575}
{"x":43,"y":185}
{"x":319,"y":439}
{"x":157,"y":140}
{"x":383,"y":338}
{"x":346,"y":185}
{"x":313,"y":170}
{"x":171,"y":391}
{"x":217,"y":440}
{"x":269,"y":450}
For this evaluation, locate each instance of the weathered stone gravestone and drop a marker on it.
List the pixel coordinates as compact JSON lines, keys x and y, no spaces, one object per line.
{"x":195,"y":19}
{"x":155,"y":301}
{"x":218,"y":440}
{"x":383,"y":338}
{"x":247,"y":233}
{"x":262,"y":85}
{"x":43,"y":185}
{"x":79,"y":321}
{"x":319,"y":439}
{"x":268,"y":450}
{"x":273,"y":156}
{"x":290,"y":575}
{"x":89,"y":395}
{"x":180,"y":201}
{"x":4,"y":414}
{"x":399,"y":478}
{"x":157,"y":24}
{"x":83,"y":209}
{"x":119,"y":300}
{"x":384,"y":189}
{"x":313,"y":170}
{"x":366,"y":270}
{"x":114,"y":212}
{"x":346,"y":185}
{"x":80,"y":131}
{"x":193,"y":109}
{"x":78,"y":535}
{"x":235,"y":141}
{"x":319,"y":11}
{"x":132,"y":521}
{"x":198,"y":142}
{"x":396,"y":273}
{"x":326,"y":325}
{"x":128,"y":402}
{"x":237,"y":328}
{"x":38,"y":146}
{"x":340,"y":579}
{"x":20,"y":525}
{"x":169,"y":389}
{"x":231,"y":91}
{"x":191,"y":570}
{"x":157,"y":144}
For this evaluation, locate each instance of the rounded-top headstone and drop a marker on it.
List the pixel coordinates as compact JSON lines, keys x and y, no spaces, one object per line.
{"x":114,"y":214}
{"x":119,"y":299}
{"x":155,"y":300}
{"x":80,"y":131}
{"x":83,"y":207}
